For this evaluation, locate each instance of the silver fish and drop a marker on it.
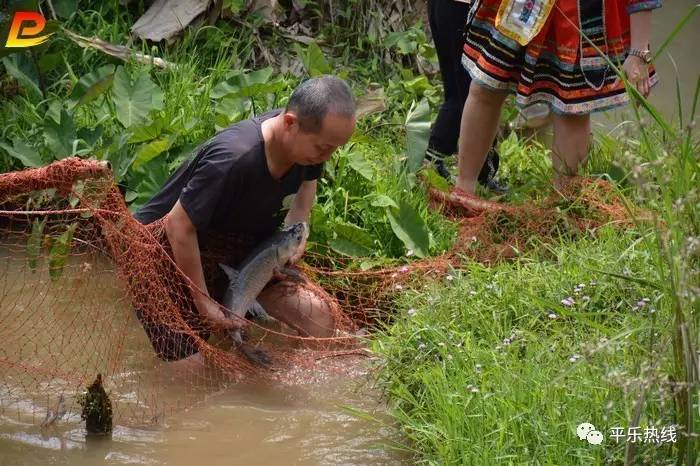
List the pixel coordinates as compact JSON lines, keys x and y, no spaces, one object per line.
{"x":255,"y":272}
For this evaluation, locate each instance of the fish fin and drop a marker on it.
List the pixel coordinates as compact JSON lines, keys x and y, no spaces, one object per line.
{"x":292,"y":274}
{"x":257,"y":312}
{"x":230,"y":272}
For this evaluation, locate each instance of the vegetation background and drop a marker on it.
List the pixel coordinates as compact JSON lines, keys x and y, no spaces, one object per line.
{"x":495,"y":363}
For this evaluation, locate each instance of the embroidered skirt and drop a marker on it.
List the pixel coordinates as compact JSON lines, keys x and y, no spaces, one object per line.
{"x":562,"y":65}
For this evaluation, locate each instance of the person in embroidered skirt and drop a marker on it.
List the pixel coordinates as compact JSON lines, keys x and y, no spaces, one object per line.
{"x":557,"y":66}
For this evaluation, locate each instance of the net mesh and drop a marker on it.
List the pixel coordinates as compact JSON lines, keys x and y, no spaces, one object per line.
{"x":76,"y":266}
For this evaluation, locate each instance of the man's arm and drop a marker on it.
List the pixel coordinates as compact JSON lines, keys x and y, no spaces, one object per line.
{"x":300,"y":210}
{"x":182,"y":236}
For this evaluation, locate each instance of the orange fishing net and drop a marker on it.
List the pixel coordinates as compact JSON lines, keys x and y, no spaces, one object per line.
{"x":81,"y":280}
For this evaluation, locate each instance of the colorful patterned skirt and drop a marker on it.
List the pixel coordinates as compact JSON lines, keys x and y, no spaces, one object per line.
{"x":557,"y":66}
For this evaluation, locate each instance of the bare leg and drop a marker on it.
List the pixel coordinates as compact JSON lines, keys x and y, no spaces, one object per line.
{"x":570,"y":146}
{"x":299,"y":308}
{"x":194,"y":365}
{"x":480,"y":117}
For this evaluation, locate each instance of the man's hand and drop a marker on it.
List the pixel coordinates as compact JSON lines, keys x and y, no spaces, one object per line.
{"x":214,"y":317}
{"x":299,"y":253}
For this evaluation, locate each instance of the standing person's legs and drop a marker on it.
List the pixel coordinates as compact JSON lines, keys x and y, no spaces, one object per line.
{"x":480,"y":119}
{"x":570,"y":146}
{"x":447,"y":19}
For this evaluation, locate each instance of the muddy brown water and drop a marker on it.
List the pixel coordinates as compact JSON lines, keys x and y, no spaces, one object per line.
{"x":76,"y":326}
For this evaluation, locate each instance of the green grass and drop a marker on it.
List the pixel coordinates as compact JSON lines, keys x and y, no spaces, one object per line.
{"x":491,"y":367}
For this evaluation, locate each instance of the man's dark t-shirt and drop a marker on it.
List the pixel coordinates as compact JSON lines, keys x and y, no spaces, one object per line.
{"x":226,"y":186}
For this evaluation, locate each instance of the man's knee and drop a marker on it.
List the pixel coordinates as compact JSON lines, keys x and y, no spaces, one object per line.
{"x":300,"y":308}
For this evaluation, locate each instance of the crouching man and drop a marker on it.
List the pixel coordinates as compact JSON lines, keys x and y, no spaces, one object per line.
{"x":231,"y":195}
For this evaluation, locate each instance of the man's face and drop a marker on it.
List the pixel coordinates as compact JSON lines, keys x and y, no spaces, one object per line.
{"x":308,"y":148}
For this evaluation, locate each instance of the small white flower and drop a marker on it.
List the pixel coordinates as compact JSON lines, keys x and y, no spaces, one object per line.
{"x":568,"y":301}
{"x":398,"y":286}
{"x":473,"y":293}
{"x":403,"y":269}
{"x":409,"y":253}
{"x":411,"y":312}
{"x":472,"y":388}
{"x":575,"y":357}
{"x":449,"y":277}
{"x":421,"y":345}
{"x":478,"y":367}
{"x":552,"y":315}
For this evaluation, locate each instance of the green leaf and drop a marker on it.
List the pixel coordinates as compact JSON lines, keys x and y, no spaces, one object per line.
{"x":60,"y":251}
{"x":417,"y":134}
{"x":435,"y":180}
{"x":354,"y":233}
{"x":358,"y":163}
{"x":351,"y":240}
{"x":65,"y":8}
{"x":349,"y":248}
{"x":253,"y":84}
{"x":27,"y":155}
{"x":382,"y":200}
{"x":59,"y":137}
{"x":153,"y":149}
{"x":236,"y":6}
{"x":317,"y":63}
{"x":91,"y":86}
{"x":34,"y":242}
{"x":18,"y":67}
{"x":313,"y":59}
{"x":134,"y":100}
{"x":233,"y":108}
{"x":410,"y":228}
{"x":143,"y":133}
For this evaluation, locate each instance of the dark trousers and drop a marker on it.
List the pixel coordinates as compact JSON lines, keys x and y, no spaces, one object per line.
{"x":447,"y":21}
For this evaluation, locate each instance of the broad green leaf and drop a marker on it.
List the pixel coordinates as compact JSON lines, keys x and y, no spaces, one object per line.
{"x":417,"y":134}
{"x":233,"y":108}
{"x":435,"y":180}
{"x":27,"y":155}
{"x":92,"y":85}
{"x":410,"y":228}
{"x":316,"y":63}
{"x":143,"y":133}
{"x":225,"y":88}
{"x":354,"y":233}
{"x":255,"y":83}
{"x":59,"y":137}
{"x":313,"y":59}
{"x":358,"y":163}
{"x":134,"y":100}
{"x":65,"y":8}
{"x":151,"y":150}
{"x":60,"y":249}
{"x":18,"y":67}
{"x":260,"y":76}
{"x":34,"y":242}
{"x":349,"y":248}
{"x":382,"y":200}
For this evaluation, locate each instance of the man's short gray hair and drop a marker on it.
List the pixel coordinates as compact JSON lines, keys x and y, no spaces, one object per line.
{"x":313,"y":99}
